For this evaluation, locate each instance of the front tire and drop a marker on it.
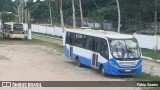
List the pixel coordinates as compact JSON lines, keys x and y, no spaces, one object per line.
{"x":102,"y":71}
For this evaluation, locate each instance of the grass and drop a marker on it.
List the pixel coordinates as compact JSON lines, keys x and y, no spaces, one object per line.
{"x":56,"y":46}
{"x":151,"y":53}
{"x":146,"y":77}
{"x":50,"y":35}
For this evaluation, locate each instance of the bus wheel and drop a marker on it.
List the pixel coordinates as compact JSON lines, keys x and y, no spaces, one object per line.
{"x":78,"y":62}
{"x":8,"y":36}
{"x":102,"y":71}
{"x":3,"y":35}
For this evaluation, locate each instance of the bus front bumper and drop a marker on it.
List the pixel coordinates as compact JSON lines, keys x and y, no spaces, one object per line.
{"x":21,"y":36}
{"x":124,"y":71}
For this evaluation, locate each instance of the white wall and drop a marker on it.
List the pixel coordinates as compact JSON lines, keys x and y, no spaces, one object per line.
{"x":47,"y":30}
{"x":145,"y":41}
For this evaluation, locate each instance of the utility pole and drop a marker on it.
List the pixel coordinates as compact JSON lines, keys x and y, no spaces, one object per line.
{"x":119,"y":16}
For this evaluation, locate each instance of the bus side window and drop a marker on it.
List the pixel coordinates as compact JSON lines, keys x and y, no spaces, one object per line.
{"x":98,"y":45}
{"x":88,"y":43}
{"x":68,"y":38}
{"x":104,"y":49}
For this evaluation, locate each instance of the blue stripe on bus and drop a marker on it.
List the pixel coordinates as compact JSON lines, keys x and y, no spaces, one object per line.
{"x":83,"y":60}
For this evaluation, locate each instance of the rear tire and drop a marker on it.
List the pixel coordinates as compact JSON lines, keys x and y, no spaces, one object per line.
{"x":78,"y":62}
{"x":3,"y":36}
{"x":102,"y":71}
{"x":8,"y":37}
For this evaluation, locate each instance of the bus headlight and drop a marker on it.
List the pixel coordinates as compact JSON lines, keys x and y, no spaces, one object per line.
{"x":114,"y":65}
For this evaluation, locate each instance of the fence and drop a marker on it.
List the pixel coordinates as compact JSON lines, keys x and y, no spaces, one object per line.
{"x":58,"y":31}
{"x":145,"y":41}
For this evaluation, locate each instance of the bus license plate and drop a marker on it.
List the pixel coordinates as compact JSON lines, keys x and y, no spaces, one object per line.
{"x":127,"y":70}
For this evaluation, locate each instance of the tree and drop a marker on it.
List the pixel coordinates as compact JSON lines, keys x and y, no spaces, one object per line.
{"x":7,"y":17}
{"x":48,"y":2}
{"x":73,"y":14}
{"x":29,"y":7}
{"x":59,"y":6}
{"x":81,"y":12}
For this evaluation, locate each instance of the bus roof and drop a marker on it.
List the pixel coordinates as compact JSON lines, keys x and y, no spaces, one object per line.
{"x":101,"y":33}
{"x":12,"y":23}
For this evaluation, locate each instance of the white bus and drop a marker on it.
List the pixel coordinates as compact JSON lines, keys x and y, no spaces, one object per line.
{"x":13,"y":30}
{"x":110,"y":53}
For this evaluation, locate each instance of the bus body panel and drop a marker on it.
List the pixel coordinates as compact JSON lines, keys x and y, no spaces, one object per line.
{"x":66,"y":50}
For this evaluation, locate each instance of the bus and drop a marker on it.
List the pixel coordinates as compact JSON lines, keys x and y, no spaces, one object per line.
{"x":13,"y":30}
{"x":110,"y":53}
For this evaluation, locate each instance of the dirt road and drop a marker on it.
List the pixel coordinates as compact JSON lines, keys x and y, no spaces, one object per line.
{"x":40,"y":63}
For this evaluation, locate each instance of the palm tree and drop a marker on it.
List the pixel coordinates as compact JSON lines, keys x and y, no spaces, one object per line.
{"x":81,"y":12}
{"x":48,"y":2}
{"x":59,"y":6}
{"x":74,"y":17}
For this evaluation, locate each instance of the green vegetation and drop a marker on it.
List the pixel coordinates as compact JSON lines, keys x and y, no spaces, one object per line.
{"x":50,"y":35}
{"x":151,"y":53}
{"x":134,"y":11}
{"x":146,"y":77}
{"x":7,"y":17}
{"x":32,"y":42}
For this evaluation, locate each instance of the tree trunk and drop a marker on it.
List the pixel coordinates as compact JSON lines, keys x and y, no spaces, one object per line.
{"x":74,"y":18}
{"x":29,"y":25}
{"x":22,"y":12}
{"x":25,"y":12}
{"x":19,"y":15}
{"x":61,"y":13}
{"x":81,"y":12}
{"x":50,"y":12}
{"x":119,"y":16}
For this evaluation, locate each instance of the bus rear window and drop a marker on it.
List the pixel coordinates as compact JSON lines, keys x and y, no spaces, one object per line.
{"x":18,"y":27}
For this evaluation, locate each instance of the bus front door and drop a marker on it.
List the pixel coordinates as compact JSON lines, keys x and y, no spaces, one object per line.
{"x":94,"y":54}
{"x":71,"y":51}
{"x":94,"y":59}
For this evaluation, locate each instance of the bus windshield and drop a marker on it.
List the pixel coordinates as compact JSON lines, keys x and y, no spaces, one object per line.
{"x":18,"y":27}
{"x":125,"y":49}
